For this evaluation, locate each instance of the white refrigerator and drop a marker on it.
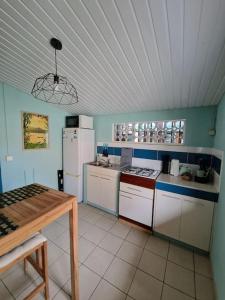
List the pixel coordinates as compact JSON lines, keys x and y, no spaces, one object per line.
{"x":78,"y":148}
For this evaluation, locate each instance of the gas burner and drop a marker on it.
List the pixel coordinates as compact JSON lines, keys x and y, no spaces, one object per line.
{"x":142,"y":172}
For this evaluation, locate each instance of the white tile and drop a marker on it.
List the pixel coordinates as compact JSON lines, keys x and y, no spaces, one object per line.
{"x":83,"y":227}
{"x":61,"y":295}
{"x":88,"y":282}
{"x":120,"y":274}
{"x":64,"y":220}
{"x":153,"y":264}
{"x":83,"y":210}
{"x":110,"y":216}
{"x":4,"y":293}
{"x":105,"y":223}
{"x":54,"y":230}
{"x":18,"y":281}
{"x":157,"y":245}
{"x":99,"y":260}
{"x":172,"y":294}
{"x":59,"y":271}
{"x":92,"y":217}
{"x":204,"y":288}
{"x":63,"y":241}
{"x":85,"y":248}
{"x":11,"y":270}
{"x":120,"y":229}
{"x":111,"y":243}
{"x":203,"y":265}
{"x":181,"y":256}
{"x":180,"y":278}
{"x":54,"y":252}
{"x":130,"y":253}
{"x":95,"y":234}
{"x":145,"y":287}
{"x":107,"y":291}
{"x":138,"y":237}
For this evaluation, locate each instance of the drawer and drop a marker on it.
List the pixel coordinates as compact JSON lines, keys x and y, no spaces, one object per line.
{"x":136,"y":190}
{"x":104,"y":172}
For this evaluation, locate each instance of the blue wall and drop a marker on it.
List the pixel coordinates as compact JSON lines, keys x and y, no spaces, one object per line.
{"x":199,"y":120}
{"x":27,"y":165}
{"x":218,"y":246}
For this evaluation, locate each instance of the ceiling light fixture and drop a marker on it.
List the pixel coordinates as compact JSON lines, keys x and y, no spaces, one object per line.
{"x":53,"y":88}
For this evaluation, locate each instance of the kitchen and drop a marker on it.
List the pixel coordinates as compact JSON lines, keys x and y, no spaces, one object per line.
{"x":138,"y":143}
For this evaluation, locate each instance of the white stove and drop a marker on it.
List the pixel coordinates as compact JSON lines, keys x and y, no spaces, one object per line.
{"x":142,"y":172}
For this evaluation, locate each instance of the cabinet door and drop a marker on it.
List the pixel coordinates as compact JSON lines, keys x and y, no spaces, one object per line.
{"x":108,"y":193}
{"x":167,"y":213}
{"x":196,"y":222}
{"x":93,"y":186}
{"x":136,"y":208}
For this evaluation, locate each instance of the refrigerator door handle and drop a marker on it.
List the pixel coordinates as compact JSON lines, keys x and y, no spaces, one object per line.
{"x":76,"y":176}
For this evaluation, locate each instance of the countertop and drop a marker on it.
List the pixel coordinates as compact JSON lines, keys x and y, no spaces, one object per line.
{"x":177,"y":180}
{"x":114,"y":167}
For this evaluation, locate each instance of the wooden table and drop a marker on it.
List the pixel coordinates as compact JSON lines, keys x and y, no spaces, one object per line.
{"x":33,"y":214}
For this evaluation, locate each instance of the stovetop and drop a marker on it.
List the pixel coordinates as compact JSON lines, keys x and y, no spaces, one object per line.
{"x":142,"y":172}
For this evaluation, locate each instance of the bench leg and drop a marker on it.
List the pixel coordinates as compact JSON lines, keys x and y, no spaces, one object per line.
{"x":45,"y":270}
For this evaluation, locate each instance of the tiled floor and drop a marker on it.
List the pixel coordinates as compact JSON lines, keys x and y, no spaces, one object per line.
{"x":116,"y":262}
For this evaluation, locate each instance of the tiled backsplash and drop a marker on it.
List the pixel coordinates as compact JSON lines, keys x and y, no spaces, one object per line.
{"x":183,"y":156}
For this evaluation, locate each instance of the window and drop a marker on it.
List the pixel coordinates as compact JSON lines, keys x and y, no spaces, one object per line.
{"x":156,"y":132}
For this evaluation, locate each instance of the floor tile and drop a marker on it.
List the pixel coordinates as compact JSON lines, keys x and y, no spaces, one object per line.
{"x":110,"y":216}
{"x":202,"y":265}
{"x":61,"y":295}
{"x":153,"y":264}
{"x":120,"y":229}
{"x":181,"y":256}
{"x":18,"y":281}
{"x":99,"y":260}
{"x":204,"y":288}
{"x":120,"y":274}
{"x":157,"y":245}
{"x":138,"y":237}
{"x":59,"y":271}
{"x":63,"y":241}
{"x":180,"y":278}
{"x":111,"y":243}
{"x":64,"y":220}
{"x":85,"y":248}
{"x":54,"y":252}
{"x":95,"y":234}
{"x":88,"y":282}
{"x":106,"y":291}
{"x":4,"y":293}
{"x":92,"y":217}
{"x":145,"y":287}
{"x":171,"y":294}
{"x":54,"y":230}
{"x":83,"y":227}
{"x":130,"y":253}
{"x":105,"y":223}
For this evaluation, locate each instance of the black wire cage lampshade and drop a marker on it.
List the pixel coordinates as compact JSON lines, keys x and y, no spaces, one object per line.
{"x":53,"y":88}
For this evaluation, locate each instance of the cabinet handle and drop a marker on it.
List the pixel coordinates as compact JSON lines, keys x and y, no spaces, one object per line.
{"x":195,"y":203}
{"x":171,"y":197}
{"x":130,"y":188}
{"x":125,"y":196}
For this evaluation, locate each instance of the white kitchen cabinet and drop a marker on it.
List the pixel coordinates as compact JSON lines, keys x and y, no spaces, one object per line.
{"x":102,"y":188}
{"x":167,"y":213}
{"x":196,"y":222}
{"x":183,"y":218}
{"x":136,"y":208}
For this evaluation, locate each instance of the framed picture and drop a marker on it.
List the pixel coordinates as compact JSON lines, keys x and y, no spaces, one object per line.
{"x":35,"y":131}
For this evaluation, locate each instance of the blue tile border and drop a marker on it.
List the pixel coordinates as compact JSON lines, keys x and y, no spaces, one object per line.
{"x":187,"y":191}
{"x":184,"y":157}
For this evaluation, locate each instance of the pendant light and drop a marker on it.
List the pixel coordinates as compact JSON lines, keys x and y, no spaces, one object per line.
{"x":53,"y":88}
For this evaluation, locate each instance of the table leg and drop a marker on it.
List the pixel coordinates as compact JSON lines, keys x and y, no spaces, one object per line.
{"x":74,"y":252}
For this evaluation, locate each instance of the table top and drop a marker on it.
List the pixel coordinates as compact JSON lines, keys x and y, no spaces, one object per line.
{"x":30,"y":212}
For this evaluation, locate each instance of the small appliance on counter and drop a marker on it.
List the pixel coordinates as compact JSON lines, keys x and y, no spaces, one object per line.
{"x":203,"y":175}
{"x":80,"y":121}
{"x":175,"y":167}
{"x":166,"y":161}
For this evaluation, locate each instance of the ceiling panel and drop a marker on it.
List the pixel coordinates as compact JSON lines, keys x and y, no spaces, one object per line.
{"x":122,"y":56}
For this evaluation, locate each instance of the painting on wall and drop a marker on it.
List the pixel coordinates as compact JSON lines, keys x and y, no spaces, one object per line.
{"x":35,"y":131}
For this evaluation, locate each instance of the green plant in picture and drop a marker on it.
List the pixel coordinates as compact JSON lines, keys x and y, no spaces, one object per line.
{"x":35,"y":131}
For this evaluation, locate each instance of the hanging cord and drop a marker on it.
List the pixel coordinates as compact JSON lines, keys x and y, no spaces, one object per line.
{"x":55,"y":63}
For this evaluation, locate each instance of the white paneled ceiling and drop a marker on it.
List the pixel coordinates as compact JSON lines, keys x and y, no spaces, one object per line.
{"x":122,"y":55}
